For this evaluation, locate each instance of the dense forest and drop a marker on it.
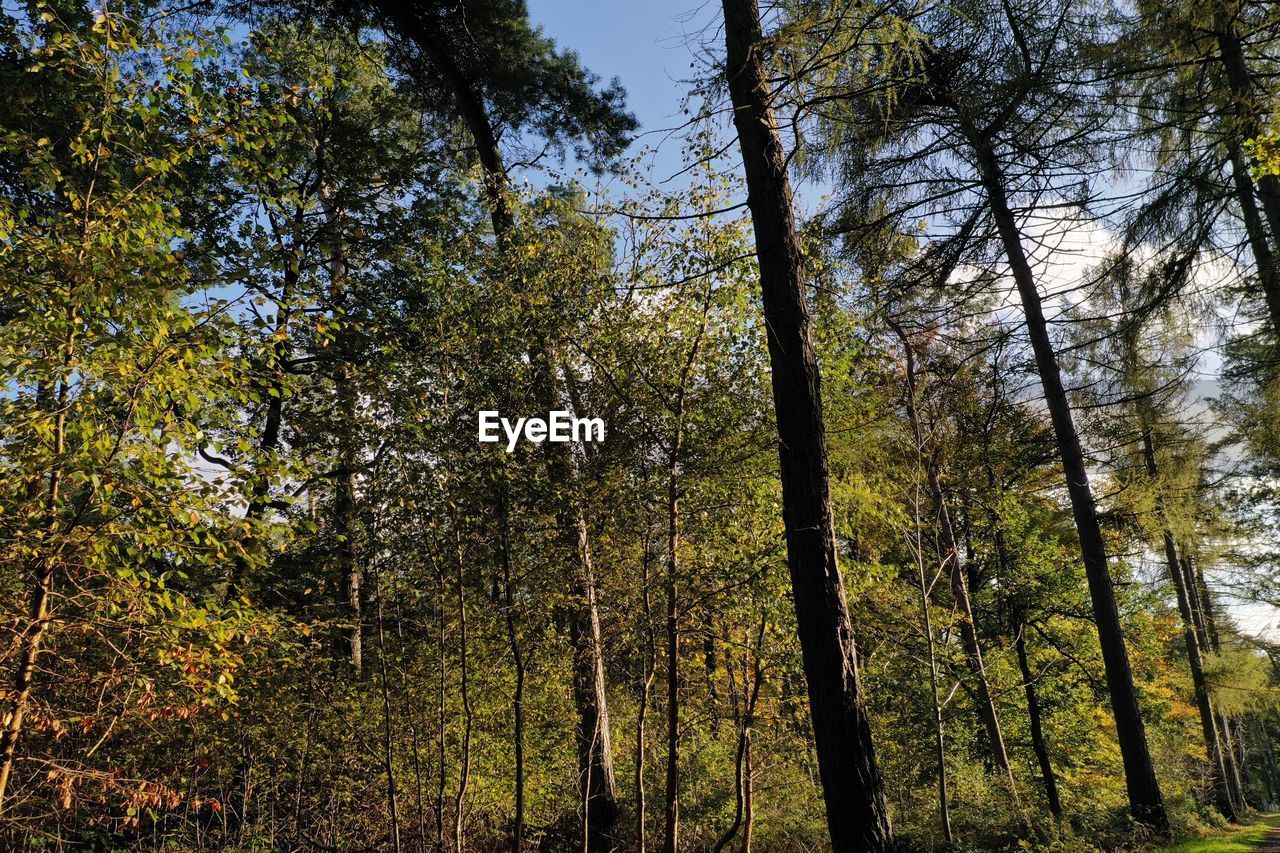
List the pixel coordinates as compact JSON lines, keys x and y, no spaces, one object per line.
{"x":937,"y":501}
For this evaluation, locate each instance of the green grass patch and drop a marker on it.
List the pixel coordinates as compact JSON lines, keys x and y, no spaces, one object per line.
{"x":1240,"y":840}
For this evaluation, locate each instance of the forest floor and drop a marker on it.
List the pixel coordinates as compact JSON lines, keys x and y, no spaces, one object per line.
{"x":1262,"y":836}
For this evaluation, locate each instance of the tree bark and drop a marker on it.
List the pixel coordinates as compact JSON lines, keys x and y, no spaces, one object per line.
{"x":671,"y":837}
{"x":1206,"y":630}
{"x":31,"y":637}
{"x":857,"y":817}
{"x":442,"y":759}
{"x":744,"y":710}
{"x":595,"y":749}
{"x":350,"y":573}
{"x":748,"y":797}
{"x":648,"y":670}
{"x":939,"y":732}
{"x":468,"y":714}
{"x":30,"y":640}
{"x":959,"y":580}
{"x":1249,"y":119}
{"x":1145,"y":801}
{"x":387,"y":754}
{"x":1259,"y":243}
{"x":1209,"y":729}
{"x":1242,"y":762}
{"x":517,"y":700}
{"x":1037,"y":728}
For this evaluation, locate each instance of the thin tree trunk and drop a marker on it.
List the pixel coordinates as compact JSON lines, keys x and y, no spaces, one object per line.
{"x":1209,"y":729}
{"x":517,"y":700}
{"x":857,"y":817}
{"x":959,"y":581}
{"x":649,"y":666}
{"x":30,"y":643}
{"x":1195,"y":575}
{"x":1207,"y":638}
{"x":350,"y":575}
{"x":748,"y":798}
{"x":441,"y":719}
{"x":1145,"y":801}
{"x":1037,"y":728}
{"x":939,"y":740}
{"x":415,"y":746}
{"x":727,"y":836}
{"x":468,"y":716}
{"x":969,"y":639}
{"x":939,"y":736}
{"x":671,"y":837}
{"x":1242,"y":762}
{"x":744,"y":717}
{"x":917,"y":549}
{"x":1273,"y":773}
{"x":388,"y":764}
{"x":31,"y":638}
{"x":595,"y":749}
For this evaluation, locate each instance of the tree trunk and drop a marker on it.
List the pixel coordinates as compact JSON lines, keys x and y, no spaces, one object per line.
{"x":410,"y":717}
{"x":1195,"y":577}
{"x":595,"y":749}
{"x":1242,"y":763}
{"x":959,"y":581}
{"x":388,"y":764}
{"x":468,"y":715}
{"x":442,"y":758}
{"x":671,"y":838}
{"x":648,"y":670}
{"x":939,"y":734}
{"x":1259,"y":244}
{"x":1145,"y":801}
{"x":31,"y":637}
{"x":1037,"y":727}
{"x":350,"y":574}
{"x":748,"y":798}
{"x":1249,"y":121}
{"x":857,"y":816}
{"x":1213,"y":747}
{"x":1207,"y":637}
{"x":744,"y":710}
{"x":517,"y":700}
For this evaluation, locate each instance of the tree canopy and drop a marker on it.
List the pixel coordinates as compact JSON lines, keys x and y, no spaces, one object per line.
{"x":938,"y":514}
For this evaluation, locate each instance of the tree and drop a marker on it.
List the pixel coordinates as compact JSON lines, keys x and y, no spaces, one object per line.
{"x":116,"y":374}
{"x":856,"y":812}
{"x":976,"y":109}
{"x":465,"y":47}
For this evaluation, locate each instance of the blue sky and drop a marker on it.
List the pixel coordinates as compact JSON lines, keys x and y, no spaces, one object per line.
{"x":640,"y":43}
{"x":649,"y":46}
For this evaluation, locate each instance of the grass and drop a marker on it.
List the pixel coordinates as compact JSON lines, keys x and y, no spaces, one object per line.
{"x":1240,"y":840}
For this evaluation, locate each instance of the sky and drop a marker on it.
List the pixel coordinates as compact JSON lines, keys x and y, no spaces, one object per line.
{"x":644,"y":43}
